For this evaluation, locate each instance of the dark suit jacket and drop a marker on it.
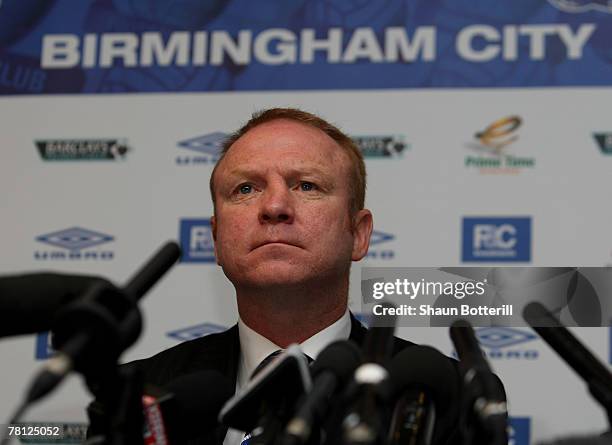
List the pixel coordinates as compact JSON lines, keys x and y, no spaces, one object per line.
{"x":221,"y":352}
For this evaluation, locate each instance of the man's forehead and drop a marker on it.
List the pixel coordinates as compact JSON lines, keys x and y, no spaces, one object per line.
{"x":284,"y":139}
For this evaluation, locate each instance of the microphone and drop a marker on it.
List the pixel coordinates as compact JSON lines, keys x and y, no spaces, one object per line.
{"x":182,"y":410}
{"x":186,"y":408}
{"x":334,"y":365}
{"x":264,"y":405}
{"x":93,"y":331}
{"x":483,"y":391}
{"x":30,"y":302}
{"x":596,"y":375}
{"x":426,"y":386}
{"x":363,"y":424}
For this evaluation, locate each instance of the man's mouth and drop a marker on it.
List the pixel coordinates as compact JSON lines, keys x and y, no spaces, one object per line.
{"x":276,"y":243}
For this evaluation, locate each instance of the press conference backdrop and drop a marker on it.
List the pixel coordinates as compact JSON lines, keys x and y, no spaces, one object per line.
{"x":474,"y":117}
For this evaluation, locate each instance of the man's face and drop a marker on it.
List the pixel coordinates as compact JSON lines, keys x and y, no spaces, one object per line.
{"x":282,"y":208}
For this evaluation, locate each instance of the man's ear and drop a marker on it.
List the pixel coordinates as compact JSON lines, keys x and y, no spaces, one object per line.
{"x":213,"y":229}
{"x":362,"y":230}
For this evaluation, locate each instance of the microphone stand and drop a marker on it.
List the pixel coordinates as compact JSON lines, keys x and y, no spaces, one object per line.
{"x":90,"y":335}
{"x":596,"y":375}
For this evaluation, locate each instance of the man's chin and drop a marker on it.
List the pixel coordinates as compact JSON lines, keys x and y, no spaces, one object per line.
{"x":277,"y":276}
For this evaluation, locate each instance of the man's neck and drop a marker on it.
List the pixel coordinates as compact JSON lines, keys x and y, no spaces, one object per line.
{"x":293,"y":315}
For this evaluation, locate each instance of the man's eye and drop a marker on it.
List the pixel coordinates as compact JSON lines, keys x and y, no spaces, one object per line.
{"x":245,"y":189}
{"x":307,"y":186}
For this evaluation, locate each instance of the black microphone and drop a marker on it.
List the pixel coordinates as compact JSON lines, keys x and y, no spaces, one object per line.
{"x":333,"y":366}
{"x":30,"y":302}
{"x":595,"y":374}
{"x":93,"y":331}
{"x":265,"y":404}
{"x":483,"y":392}
{"x":425,"y":384}
{"x":182,"y":410}
{"x":185,"y":408}
{"x":364,"y":423}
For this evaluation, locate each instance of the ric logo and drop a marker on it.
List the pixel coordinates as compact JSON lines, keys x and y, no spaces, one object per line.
{"x":489,"y":236}
{"x":196,"y":241}
{"x":496,"y":239}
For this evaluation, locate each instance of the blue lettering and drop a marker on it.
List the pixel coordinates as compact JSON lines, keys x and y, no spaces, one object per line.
{"x":37,"y":82}
{"x":22,"y":77}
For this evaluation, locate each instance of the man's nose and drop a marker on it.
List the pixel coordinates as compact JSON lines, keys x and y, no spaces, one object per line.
{"x":277,"y":205}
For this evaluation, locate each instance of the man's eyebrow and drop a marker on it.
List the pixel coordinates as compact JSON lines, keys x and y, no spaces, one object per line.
{"x":249,"y":172}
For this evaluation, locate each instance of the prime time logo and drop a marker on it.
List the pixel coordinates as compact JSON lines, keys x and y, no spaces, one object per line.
{"x":491,"y":151}
{"x":496,"y":239}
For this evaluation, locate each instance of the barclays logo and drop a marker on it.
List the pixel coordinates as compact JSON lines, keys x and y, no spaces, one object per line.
{"x":82,"y":149}
{"x":390,"y":146}
{"x":208,"y":146}
{"x":604,"y":142}
{"x":197,"y":331}
{"x":377,"y":253}
{"x":496,"y":239}
{"x":196,"y":239}
{"x":503,"y":343}
{"x":75,"y":243}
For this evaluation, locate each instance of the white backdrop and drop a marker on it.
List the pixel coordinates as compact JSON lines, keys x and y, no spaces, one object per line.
{"x":418,"y":198}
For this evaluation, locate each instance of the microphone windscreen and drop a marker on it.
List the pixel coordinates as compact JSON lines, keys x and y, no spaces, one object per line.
{"x":340,"y":357}
{"x":29,"y":302}
{"x":197,"y":400}
{"x":424,"y":367}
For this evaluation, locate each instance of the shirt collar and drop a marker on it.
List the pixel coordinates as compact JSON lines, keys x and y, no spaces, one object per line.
{"x":254,"y":347}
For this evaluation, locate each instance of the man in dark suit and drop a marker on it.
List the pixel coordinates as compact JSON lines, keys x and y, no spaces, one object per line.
{"x":289,"y":219}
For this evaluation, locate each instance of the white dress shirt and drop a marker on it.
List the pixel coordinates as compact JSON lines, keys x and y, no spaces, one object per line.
{"x":254,"y":348}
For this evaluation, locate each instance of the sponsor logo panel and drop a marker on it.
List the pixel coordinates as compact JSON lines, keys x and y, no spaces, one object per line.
{"x":379,"y":247}
{"x":499,"y":343}
{"x":82,"y":149}
{"x":604,"y":142}
{"x":74,"y":243}
{"x":196,"y":241}
{"x":493,"y":149}
{"x":387,"y":146}
{"x":207,"y":149}
{"x":496,"y":239}
{"x":196,"y":331}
